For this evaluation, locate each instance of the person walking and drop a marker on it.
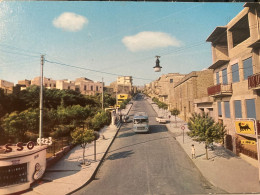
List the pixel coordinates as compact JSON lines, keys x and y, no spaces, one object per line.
{"x":192,"y":151}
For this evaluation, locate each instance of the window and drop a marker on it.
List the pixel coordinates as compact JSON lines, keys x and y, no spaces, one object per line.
{"x":248,"y":68}
{"x":250,"y":108}
{"x":91,"y":88}
{"x":235,"y":73}
{"x":171,"y":80}
{"x":219,"y":109}
{"x":227,"y":109}
{"x":85,"y":87}
{"x":224,"y":77}
{"x":96,"y":88}
{"x":238,"y":110}
{"x":217,"y":77}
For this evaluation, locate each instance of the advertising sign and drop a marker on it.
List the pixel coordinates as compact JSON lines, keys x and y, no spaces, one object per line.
{"x":245,"y":127}
{"x":248,"y":142}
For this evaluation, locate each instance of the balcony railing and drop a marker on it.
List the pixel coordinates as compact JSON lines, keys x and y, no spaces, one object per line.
{"x":220,"y":90}
{"x":254,"y":81}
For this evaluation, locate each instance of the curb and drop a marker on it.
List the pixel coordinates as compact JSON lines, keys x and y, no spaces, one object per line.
{"x":101,"y":161}
{"x":99,"y":164}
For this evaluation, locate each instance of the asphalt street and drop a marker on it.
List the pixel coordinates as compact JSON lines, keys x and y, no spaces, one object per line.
{"x":147,"y":163}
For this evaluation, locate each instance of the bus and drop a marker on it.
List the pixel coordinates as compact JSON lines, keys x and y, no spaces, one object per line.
{"x":141,"y":122}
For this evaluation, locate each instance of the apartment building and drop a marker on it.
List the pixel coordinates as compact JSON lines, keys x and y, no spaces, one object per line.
{"x":162,"y":87}
{"x":65,"y":84}
{"x":47,"y":82}
{"x":236,"y":89}
{"x":124,"y":84}
{"x":88,"y":87}
{"x":191,"y":92}
{"x":6,"y":86}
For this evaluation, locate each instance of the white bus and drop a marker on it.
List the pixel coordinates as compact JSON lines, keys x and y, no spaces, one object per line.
{"x":141,"y":122}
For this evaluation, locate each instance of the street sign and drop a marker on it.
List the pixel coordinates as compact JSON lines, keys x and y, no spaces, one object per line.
{"x":182,"y":127}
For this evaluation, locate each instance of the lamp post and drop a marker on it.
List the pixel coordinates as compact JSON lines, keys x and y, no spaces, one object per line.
{"x":157,"y":67}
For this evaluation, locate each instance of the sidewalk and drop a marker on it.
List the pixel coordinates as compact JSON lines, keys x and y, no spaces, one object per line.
{"x":223,"y":169}
{"x":68,"y":175}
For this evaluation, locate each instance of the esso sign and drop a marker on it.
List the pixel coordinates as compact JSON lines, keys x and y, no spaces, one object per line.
{"x":19,"y":146}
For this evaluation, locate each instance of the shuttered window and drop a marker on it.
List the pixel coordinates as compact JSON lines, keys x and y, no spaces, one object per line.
{"x":219,"y":109}
{"x":224,"y":77}
{"x":238,"y":110}
{"x":227,"y":109}
{"x":235,"y":73}
{"x":217,"y":77}
{"x":250,"y":108}
{"x":248,"y":68}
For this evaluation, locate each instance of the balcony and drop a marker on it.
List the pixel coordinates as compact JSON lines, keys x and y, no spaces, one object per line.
{"x":254,"y":81}
{"x":220,"y":90}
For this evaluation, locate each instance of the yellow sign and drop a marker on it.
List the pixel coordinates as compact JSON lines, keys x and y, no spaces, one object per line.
{"x":248,"y":142}
{"x":245,"y":127}
{"x":122,"y":96}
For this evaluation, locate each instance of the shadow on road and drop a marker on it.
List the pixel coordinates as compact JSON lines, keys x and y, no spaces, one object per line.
{"x":120,"y":155}
{"x":158,"y":128}
{"x":126,"y":134}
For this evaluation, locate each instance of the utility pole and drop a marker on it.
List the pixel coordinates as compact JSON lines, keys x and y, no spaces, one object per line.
{"x":102,"y":94}
{"x":41,"y":100}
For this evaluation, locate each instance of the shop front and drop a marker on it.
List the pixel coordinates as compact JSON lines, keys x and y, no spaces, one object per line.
{"x":20,"y":166}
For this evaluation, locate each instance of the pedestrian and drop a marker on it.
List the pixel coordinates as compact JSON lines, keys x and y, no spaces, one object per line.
{"x":192,"y":151}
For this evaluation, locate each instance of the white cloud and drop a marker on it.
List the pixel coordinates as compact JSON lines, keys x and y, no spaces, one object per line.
{"x":70,"y":22}
{"x":150,"y":40}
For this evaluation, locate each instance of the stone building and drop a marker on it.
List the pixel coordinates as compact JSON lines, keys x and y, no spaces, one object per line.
{"x":88,"y":87}
{"x":65,"y":84}
{"x":47,"y":82}
{"x":236,"y":89}
{"x":6,"y":86}
{"x":191,"y":87}
{"x":162,"y":88}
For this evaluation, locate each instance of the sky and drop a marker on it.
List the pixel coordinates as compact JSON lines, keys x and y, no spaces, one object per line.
{"x":107,"y":39}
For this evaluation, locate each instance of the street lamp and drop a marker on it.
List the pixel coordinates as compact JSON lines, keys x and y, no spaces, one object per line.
{"x":157,"y":67}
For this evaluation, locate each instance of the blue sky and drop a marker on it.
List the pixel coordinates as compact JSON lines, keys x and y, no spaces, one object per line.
{"x":121,"y":38}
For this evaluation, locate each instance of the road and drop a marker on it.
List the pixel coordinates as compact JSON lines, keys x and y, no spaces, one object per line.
{"x":151,"y":163}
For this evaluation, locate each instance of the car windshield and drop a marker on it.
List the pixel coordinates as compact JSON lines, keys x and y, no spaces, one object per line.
{"x":140,"y":121}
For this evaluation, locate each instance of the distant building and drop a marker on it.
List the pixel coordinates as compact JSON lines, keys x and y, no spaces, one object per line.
{"x":25,"y":82}
{"x":65,"y":84}
{"x":47,"y":82}
{"x":124,"y":84}
{"x":88,"y":87}
{"x":191,"y":87}
{"x":6,"y":86}
{"x":163,"y":87}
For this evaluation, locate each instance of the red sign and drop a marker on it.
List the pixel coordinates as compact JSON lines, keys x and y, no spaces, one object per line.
{"x":182,"y":127}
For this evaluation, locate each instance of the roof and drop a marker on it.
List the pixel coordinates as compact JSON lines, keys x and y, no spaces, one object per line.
{"x":218,"y":64}
{"x":218,"y":32}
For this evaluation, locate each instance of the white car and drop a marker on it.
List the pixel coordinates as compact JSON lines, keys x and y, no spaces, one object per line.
{"x":161,"y":119}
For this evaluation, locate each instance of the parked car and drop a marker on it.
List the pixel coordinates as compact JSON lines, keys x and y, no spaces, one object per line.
{"x":161,"y":119}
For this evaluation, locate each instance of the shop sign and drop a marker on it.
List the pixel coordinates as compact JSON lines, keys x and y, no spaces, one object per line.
{"x":245,"y":127}
{"x":248,"y":142}
{"x":19,"y":146}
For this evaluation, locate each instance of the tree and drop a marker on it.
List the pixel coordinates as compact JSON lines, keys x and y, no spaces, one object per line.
{"x":204,"y":129}
{"x":17,"y":124}
{"x":100,"y":120}
{"x":83,"y":137}
{"x":175,"y":112}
